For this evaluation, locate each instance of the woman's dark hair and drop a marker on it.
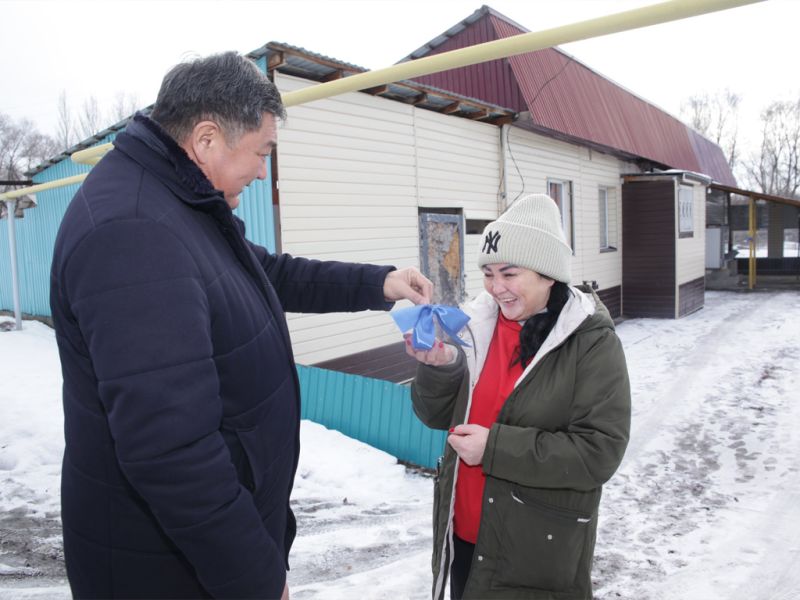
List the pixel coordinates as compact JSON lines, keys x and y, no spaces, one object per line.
{"x":227,"y":88}
{"x":537,"y":327}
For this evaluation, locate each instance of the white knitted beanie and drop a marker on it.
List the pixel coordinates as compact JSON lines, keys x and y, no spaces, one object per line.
{"x":529,"y":234}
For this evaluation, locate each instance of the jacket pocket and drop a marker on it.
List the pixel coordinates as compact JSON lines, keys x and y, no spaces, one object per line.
{"x":263,"y":436}
{"x":542,"y":544}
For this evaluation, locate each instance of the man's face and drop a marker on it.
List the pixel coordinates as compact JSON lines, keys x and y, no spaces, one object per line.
{"x":232,"y":167}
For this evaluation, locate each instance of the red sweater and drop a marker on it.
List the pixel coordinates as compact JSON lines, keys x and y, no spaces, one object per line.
{"x":495,"y":384}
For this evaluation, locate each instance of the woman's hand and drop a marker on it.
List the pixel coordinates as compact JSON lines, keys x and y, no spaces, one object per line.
{"x":440,"y":354}
{"x":469,"y":442}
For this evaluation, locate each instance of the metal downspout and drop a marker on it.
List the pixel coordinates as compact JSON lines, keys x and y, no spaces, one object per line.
{"x":751,"y":271}
{"x":11,"y":206}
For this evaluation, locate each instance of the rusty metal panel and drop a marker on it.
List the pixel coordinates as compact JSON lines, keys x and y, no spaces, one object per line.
{"x":442,"y":255}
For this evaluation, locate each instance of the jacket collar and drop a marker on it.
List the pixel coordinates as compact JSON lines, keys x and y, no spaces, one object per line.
{"x":578,"y":308}
{"x":483,"y":312}
{"x":146,"y":142}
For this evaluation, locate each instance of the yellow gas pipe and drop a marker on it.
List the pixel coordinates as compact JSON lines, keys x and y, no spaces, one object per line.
{"x":645,"y":16}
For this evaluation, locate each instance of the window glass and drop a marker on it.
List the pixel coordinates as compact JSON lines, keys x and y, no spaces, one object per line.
{"x":686,"y":209}
{"x":602,"y":213}
{"x":561,"y":192}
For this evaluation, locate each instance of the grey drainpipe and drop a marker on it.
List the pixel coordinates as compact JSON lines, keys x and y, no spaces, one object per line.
{"x":11,"y":206}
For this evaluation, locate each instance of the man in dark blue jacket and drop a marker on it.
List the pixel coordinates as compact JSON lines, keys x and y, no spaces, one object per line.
{"x":181,"y":398}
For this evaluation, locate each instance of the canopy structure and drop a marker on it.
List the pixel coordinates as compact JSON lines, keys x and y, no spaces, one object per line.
{"x":751,"y":218}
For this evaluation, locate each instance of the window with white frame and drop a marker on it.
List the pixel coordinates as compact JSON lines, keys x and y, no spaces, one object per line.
{"x":561,"y":191}
{"x":685,"y":211}
{"x":602,"y":216}
{"x":607,"y":218}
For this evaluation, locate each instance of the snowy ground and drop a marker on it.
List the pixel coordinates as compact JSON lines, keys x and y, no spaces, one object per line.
{"x":705,"y":506}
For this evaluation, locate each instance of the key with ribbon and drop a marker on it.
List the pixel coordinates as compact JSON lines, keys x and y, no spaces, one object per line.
{"x":420,"y":320}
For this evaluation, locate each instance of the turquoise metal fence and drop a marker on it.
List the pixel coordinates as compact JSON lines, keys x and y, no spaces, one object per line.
{"x":36,"y":236}
{"x":36,"y":233}
{"x":375,"y":412}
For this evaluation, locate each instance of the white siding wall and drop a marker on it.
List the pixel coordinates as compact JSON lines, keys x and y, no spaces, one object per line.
{"x":474,"y":282}
{"x":458,"y":164}
{"x":533,"y":159}
{"x":347,"y":192}
{"x":355,"y":169}
{"x":691,"y":251}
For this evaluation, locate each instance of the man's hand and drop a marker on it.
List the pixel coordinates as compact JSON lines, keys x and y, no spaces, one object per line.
{"x":408,"y":284}
{"x":285,"y":595}
{"x":469,"y":442}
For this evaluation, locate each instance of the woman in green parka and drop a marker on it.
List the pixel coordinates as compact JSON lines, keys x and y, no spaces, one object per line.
{"x":538,"y":413}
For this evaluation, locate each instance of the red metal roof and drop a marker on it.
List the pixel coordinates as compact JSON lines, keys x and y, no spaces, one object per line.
{"x":569,"y":100}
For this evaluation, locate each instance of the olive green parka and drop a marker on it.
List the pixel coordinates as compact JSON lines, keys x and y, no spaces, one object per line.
{"x":560,"y":435}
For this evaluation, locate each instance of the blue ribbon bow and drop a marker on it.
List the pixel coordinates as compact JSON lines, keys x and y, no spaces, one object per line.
{"x":420,"y":320}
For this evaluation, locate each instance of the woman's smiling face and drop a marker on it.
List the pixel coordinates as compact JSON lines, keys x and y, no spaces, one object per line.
{"x":519,"y":292}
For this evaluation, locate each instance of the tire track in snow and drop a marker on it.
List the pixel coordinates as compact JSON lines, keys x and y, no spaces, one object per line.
{"x":673,"y":512}
{"x":706,"y":354}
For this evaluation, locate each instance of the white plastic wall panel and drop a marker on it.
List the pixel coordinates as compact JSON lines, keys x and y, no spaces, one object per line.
{"x":533,"y":159}
{"x":347,"y":180}
{"x":691,"y":251}
{"x":458,"y":164}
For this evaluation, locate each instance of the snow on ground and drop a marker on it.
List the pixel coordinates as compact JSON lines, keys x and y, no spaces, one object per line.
{"x":706,"y":504}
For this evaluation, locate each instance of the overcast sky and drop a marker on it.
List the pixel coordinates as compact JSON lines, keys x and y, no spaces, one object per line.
{"x":102,"y":48}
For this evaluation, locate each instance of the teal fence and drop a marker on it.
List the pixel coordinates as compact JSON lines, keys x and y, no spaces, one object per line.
{"x":375,"y":412}
{"x":36,"y":233}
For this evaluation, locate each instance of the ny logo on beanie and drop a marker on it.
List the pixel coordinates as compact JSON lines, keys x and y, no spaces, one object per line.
{"x":490,"y":242}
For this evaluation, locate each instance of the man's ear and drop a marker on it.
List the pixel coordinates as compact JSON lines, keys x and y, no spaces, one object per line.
{"x":203,"y":141}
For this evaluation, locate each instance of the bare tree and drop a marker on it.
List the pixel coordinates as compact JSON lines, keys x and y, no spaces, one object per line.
{"x":775,"y":168}
{"x":716,"y":117}
{"x":89,"y":119}
{"x":21,"y":148}
{"x":10,"y":143}
{"x":65,"y":131}
{"x":125,"y":104}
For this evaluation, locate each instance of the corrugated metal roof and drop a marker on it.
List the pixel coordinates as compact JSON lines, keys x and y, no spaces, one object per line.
{"x":98,"y":138}
{"x":293,"y":60}
{"x":569,"y":100}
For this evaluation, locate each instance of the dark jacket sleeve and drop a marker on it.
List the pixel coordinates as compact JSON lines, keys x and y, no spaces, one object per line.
{"x":588,"y":452}
{"x":138,"y":297}
{"x":315,"y":286}
{"x":436,"y":391}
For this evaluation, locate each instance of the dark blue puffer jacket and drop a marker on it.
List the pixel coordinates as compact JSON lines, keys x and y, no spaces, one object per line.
{"x":181,"y":398}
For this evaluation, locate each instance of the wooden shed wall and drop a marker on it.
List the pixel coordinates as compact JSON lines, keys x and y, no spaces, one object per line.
{"x":648,"y":264}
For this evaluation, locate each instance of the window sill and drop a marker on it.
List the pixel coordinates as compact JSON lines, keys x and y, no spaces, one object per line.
{"x":606,"y":250}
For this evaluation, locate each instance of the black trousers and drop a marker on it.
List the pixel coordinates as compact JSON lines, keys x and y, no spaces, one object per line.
{"x":459,"y":570}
